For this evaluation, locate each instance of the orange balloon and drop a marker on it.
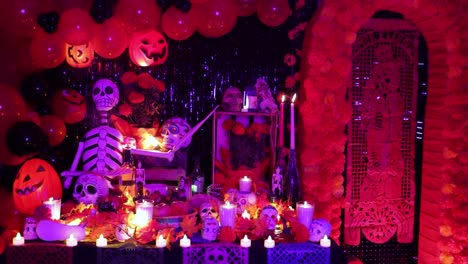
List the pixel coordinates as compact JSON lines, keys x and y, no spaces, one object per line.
{"x":47,"y":50}
{"x":216,"y":17}
{"x":273,"y":12}
{"x":111,"y":39}
{"x":138,"y":15}
{"x":178,"y":25}
{"x":76,"y":26}
{"x":246,"y":7}
{"x":54,"y":128}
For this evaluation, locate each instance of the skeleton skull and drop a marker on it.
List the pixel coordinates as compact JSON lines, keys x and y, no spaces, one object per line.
{"x":130,"y":142}
{"x":105,"y":94}
{"x":210,"y":228}
{"x":270,"y":215}
{"x":29,"y":231}
{"x":318,"y":229}
{"x":173,"y":131}
{"x":89,"y":188}
{"x":215,"y":255}
{"x":207,"y":210}
{"x":232,"y":100}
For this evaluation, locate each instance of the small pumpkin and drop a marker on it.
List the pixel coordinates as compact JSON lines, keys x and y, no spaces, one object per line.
{"x":35,"y":182}
{"x":148,"y":48}
{"x":80,"y":56}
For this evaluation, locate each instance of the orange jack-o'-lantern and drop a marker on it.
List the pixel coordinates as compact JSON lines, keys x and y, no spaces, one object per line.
{"x":80,"y":56}
{"x":69,"y":105}
{"x":148,"y":48}
{"x":35,"y":183}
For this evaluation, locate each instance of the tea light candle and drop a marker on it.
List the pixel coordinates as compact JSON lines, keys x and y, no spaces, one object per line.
{"x":161,"y":242}
{"x":227,"y":214}
{"x":18,"y":240}
{"x":269,"y":242}
{"x":246,"y":215}
{"x":325,"y":242}
{"x":143,"y":212}
{"x":245,"y":242}
{"x":245,"y":184}
{"x":185,"y":242}
{"x":101,"y":241}
{"x":305,"y":212}
{"x":71,"y":241}
{"x":54,"y":205}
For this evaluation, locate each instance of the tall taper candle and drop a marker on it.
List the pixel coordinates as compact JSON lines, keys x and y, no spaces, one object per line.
{"x":281,"y":123}
{"x":293,"y":139}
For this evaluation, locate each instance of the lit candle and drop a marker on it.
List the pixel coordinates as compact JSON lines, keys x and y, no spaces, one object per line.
{"x":245,"y":242}
{"x":305,"y":213}
{"x":143,"y":212}
{"x":325,"y":242}
{"x":293,"y":141}
{"x":269,"y":242}
{"x":18,"y":240}
{"x":246,"y":215}
{"x":101,"y":241}
{"x":227,"y":214}
{"x":281,"y":123}
{"x":185,"y":242}
{"x":245,"y":184}
{"x":161,"y":242}
{"x":54,"y":206}
{"x":71,"y":241}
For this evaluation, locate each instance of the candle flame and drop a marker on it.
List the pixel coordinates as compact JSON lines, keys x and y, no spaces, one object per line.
{"x":269,"y":238}
{"x":283,"y":98}
{"x":245,"y":237}
{"x":246,"y":215}
{"x":293,"y":99}
{"x":101,"y":236}
{"x":71,"y":236}
{"x":75,"y":222}
{"x":51,"y":199}
{"x":18,"y":235}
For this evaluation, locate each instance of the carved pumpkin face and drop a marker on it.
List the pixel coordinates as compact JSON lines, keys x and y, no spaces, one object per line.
{"x":35,"y":182}
{"x":69,"y":105}
{"x":80,"y":56}
{"x":148,"y":48}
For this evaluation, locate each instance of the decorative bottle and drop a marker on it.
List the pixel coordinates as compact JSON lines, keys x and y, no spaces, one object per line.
{"x":198,"y":179}
{"x":292,"y":185}
{"x":127,"y":179}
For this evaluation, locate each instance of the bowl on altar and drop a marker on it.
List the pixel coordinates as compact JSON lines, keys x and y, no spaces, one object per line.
{"x":174,"y":220}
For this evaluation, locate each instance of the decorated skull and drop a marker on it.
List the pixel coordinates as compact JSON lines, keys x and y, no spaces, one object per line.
{"x":215,"y":255}
{"x":210,"y":228}
{"x":208,"y":210}
{"x":29,"y":231}
{"x":318,"y":229}
{"x":232,"y":100}
{"x":89,"y":188}
{"x":105,"y":94}
{"x":270,"y":215}
{"x":173,"y":131}
{"x":123,"y":233}
{"x":130,"y":142}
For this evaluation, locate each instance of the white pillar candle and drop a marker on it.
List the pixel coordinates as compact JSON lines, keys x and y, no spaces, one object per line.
{"x":227,"y":214}
{"x":18,"y":240}
{"x":245,"y":184}
{"x":185,"y":242}
{"x":101,"y":241}
{"x":245,"y":242}
{"x":292,"y":138}
{"x":143,"y":212}
{"x":161,"y":242}
{"x":281,"y":123}
{"x":71,"y":241}
{"x":325,"y":242}
{"x":54,"y":206}
{"x":305,"y":213}
{"x":269,"y":242}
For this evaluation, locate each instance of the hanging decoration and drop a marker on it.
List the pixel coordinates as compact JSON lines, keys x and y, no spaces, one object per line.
{"x":148,"y":48}
{"x":80,"y":56}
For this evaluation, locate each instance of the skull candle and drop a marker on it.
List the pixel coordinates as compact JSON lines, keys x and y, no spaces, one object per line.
{"x":270,"y":215}
{"x":29,"y":232}
{"x":105,"y":95}
{"x":89,"y":188}
{"x":318,"y":229}
{"x":210,"y":228}
{"x":173,"y":131}
{"x":207,"y":210}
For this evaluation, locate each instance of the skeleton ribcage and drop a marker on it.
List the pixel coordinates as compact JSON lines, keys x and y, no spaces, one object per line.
{"x":102,"y":149}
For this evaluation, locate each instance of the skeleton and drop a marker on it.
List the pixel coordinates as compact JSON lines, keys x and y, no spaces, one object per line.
{"x":277,"y":182}
{"x":215,"y":255}
{"x":210,"y":228}
{"x":318,"y":229}
{"x":265,"y":99}
{"x":101,"y":148}
{"x":270,"y":215}
{"x":29,"y":231}
{"x":232,"y":100}
{"x":89,"y":188}
{"x":173,"y":131}
{"x":208,"y":210}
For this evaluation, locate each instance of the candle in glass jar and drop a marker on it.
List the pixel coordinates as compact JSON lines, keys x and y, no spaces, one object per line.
{"x":227,"y":214}
{"x":245,"y":242}
{"x":245,"y":184}
{"x":292,"y":138}
{"x":161,"y":242}
{"x":71,"y":241}
{"x":101,"y":241}
{"x":185,"y":241}
{"x":18,"y":240}
{"x":305,"y":213}
{"x":143,"y":212}
{"x":325,"y":241}
{"x":269,"y":243}
{"x":54,"y":206}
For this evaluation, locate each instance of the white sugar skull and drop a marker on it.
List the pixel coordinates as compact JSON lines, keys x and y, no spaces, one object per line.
{"x":216,"y":255}
{"x":130,"y":142}
{"x":173,"y":131}
{"x":210,"y":228}
{"x":318,"y":229}
{"x":123,"y":233}
{"x":29,"y":231}
{"x":232,"y":100}
{"x":89,"y":188}
{"x":208,"y":210}
{"x":243,"y":200}
{"x":105,"y":95}
{"x":270,"y":215}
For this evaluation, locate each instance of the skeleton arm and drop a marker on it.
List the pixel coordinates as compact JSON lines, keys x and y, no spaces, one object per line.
{"x":72,"y":172}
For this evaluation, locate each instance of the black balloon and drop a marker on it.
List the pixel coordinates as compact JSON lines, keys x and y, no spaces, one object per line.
{"x":8,"y":176}
{"x":35,"y":90}
{"x":48,"y":21}
{"x":101,"y":10}
{"x":25,"y":138}
{"x":183,"y":5}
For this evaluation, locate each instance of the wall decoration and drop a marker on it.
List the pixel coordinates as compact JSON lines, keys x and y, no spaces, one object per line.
{"x":148,"y":48}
